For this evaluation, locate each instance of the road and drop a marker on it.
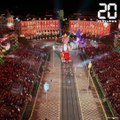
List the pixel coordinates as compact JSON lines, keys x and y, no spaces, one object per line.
{"x":70,"y":108}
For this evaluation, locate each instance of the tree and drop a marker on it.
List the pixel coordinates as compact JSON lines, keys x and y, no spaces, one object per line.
{"x":117,"y":42}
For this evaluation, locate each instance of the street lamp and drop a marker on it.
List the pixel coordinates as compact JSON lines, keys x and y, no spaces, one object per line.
{"x":53,"y":47}
{"x":89,"y":67}
{"x":46,"y":88}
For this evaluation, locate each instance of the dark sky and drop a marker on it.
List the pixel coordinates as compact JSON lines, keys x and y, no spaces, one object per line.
{"x":38,"y":6}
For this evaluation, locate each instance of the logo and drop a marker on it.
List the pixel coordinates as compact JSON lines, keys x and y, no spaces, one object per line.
{"x":108,"y":12}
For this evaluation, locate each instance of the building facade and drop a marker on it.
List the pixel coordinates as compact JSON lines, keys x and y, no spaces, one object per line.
{"x":37,"y":27}
{"x":97,"y":28}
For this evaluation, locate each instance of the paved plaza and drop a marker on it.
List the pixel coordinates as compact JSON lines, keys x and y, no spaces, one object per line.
{"x":48,"y":105}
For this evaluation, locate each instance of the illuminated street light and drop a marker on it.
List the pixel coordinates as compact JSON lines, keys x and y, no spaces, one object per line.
{"x":53,"y":47}
{"x":46,"y":88}
{"x":10,"y":25}
{"x":89,"y":67}
{"x":105,"y":24}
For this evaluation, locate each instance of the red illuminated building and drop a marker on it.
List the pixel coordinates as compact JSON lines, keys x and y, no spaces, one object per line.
{"x":90,"y":27}
{"x":34,"y":27}
{"x":119,"y":24}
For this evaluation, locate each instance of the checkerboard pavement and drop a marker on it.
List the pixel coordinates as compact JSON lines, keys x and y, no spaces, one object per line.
{"x":88,"y":102}
{"x":48,"y":104}
{"x":51,"y":109}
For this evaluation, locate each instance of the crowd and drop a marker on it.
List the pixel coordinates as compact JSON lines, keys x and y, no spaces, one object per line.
{"x":17,"y":77}
{"x":93,"y":51}
{"x":107,"y":71}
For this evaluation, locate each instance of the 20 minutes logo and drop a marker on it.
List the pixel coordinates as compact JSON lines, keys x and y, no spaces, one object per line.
{"x":108,"y":12}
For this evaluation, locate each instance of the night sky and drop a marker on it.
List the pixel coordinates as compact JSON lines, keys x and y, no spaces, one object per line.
{"x":40,"y":6}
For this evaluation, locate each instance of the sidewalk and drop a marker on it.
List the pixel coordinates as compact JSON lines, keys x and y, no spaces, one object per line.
{"x":49,"y":107}
{"x":88,"y":103}
{"x":87,"y":100}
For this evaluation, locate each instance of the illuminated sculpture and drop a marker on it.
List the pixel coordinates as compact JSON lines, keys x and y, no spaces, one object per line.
{"x":79,"y":39}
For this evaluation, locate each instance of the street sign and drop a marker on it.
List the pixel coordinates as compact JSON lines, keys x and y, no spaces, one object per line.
{"x":46,"y":86}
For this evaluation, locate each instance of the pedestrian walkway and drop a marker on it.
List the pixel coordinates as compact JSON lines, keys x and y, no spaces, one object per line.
{"x":48,"y":104}
{"x":87,"y":100}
